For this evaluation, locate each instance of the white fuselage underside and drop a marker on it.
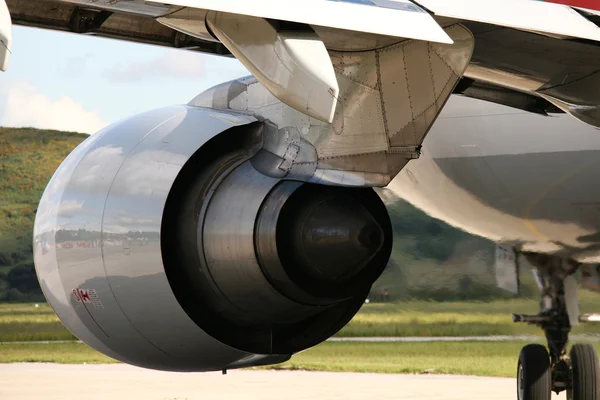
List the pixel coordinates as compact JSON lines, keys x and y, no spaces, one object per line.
{"x":510,"y":176}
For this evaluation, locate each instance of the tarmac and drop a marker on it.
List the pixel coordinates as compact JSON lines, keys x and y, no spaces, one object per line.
{"x":36,"y":381}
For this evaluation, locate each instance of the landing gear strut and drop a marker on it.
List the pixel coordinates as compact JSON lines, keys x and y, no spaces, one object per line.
{"x":542,"y":371}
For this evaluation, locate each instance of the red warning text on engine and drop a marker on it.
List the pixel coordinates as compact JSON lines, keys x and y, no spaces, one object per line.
{"x":87,"y":296}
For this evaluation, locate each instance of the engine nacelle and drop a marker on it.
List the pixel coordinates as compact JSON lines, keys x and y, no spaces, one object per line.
{"x":158,"y":243}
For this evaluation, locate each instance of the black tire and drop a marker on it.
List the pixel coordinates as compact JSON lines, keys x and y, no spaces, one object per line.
{"x":534,"y":376}
{"x":585,"y":373}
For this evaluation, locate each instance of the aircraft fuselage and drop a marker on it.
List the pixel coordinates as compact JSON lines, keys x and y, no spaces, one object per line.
{"x":510,"y":176}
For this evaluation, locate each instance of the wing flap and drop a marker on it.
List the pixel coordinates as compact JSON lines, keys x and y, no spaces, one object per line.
{"x":399,"y":18}
{"x":534,"y":16}
{"x":294,"y":66}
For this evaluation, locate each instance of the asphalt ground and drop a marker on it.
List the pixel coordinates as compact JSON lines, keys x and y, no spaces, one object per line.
{"x":118,"y":381}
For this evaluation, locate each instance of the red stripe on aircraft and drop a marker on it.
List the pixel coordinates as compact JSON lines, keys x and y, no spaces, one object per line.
{"x":590,"y":4}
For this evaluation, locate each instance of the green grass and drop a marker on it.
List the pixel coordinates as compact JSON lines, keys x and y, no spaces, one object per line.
{"x":460,"y":358}
{"x":25,"y":322}
{"x":422,"y":318}
{"x":63,"y":353}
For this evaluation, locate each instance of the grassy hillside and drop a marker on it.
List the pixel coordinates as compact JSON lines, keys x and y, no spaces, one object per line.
{"x":423,"y":247}
{"x":28,"y":158}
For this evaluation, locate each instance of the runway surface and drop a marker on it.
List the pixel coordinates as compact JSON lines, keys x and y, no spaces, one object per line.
{"x":118,"y":381}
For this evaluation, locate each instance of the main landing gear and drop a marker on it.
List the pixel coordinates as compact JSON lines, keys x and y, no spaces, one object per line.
{"x":541,"y":371}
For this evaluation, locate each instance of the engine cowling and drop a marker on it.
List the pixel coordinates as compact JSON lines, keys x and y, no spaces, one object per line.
{"x":158,"y":243}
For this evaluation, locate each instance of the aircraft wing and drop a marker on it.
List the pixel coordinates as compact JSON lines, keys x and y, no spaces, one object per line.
{"x":512,"y":80}
{"x":540,"y":56}
{"x":407,"y":19}
{"x":403,"y":18}
{"x":535,"y":16}
{"x":400,"y":18}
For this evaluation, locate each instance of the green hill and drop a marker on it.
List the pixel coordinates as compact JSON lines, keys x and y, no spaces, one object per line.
{"x":28,"y":158}
{"x":423,"y":247}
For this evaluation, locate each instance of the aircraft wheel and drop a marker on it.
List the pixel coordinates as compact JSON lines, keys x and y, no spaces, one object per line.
{"x":534,"y":376}
{"x":585,"y":373}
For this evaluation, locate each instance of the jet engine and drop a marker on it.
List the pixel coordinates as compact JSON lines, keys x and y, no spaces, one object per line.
{"x":160,"y":243}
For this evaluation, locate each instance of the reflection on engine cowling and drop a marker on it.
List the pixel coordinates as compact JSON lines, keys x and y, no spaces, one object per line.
{"x":158,"y":244}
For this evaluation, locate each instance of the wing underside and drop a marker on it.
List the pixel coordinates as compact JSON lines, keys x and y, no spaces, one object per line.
{"x":535,"y":55}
